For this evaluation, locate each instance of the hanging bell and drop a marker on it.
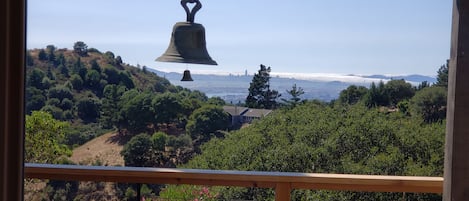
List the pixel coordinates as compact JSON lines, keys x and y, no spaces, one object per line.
{"x":186,"y":76}
{"x":187,"y":43}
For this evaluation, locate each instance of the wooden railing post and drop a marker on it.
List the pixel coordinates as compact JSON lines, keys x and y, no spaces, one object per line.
{"x":282,"y":192}
{"x":139,"y":193}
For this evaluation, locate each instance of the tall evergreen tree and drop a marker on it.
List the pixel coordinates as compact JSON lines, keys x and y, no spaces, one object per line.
{"x":95,"y":66}
{"x":442,"y":77}
{"x":376,"y":95}
{"x":34,"y":78}
{"x":110,"y":107}
{"x":260,"y":95}
{"x":42,"y":55}
{"x":77,"y":66}
{"x":51,"y":55}
{"x":295,"y":94}
{"x":61,"y":60}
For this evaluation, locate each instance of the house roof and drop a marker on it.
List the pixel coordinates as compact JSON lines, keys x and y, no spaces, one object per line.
{"x":257,"y":113}
{"x":235,"y":110}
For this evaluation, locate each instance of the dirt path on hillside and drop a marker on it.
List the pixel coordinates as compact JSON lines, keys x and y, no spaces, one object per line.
{"x":103,"y":149}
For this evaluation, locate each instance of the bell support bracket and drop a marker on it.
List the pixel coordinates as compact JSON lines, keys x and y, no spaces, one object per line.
{"x":191,"y":13}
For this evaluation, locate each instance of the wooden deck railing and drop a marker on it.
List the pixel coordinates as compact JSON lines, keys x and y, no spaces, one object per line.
{"x":282,"y":182}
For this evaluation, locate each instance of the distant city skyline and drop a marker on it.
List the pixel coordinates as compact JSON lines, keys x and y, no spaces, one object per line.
{"x":397,"y":37}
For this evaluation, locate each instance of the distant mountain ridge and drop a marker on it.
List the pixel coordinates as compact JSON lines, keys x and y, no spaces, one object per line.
{"x":234,"y":88}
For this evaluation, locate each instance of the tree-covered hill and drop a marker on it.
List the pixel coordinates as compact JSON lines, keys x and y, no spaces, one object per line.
{"x":318,"y":138}
{"x":96,"y":91}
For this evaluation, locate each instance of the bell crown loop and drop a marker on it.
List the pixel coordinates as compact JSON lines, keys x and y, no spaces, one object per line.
{"x":190,"y":14}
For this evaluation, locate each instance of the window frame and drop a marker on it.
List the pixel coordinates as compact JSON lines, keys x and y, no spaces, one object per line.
{"x":12,"y":73}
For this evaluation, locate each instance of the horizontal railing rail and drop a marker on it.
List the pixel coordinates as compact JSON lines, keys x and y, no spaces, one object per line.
{"x":283,"y":182}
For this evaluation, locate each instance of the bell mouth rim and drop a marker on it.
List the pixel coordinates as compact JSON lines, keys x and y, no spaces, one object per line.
{"x":172,"y":59}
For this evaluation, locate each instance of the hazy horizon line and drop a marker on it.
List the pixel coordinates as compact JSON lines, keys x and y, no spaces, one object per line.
{"x":352,"y":78}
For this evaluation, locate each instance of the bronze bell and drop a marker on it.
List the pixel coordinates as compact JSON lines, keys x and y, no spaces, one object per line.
{"x":187,"y":76}
{"x":187,"y":43}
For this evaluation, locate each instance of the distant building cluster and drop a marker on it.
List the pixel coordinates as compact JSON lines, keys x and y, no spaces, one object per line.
{"x":243,"y":115}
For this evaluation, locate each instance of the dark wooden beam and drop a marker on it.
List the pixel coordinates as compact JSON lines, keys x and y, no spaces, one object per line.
{"x":456,"y":175}
{"x":12,"y":52}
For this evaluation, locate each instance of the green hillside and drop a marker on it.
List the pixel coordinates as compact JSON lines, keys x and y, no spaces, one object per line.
{"x":72,"y":96}
{"x":96,"y":92}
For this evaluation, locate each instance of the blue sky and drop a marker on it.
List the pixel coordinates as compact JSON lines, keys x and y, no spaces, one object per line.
{"x":297,"y":36}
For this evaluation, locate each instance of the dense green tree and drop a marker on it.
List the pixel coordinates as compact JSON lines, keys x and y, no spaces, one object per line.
{"x":35,"y":99}
{"x":63,"y":70}
{"x":42,"y":55}
{"x":60,"y":92}
{"x":34,"y":78}
{"x":92,"y":80}
{"x":161,"y":104}
{"x":110,"y":105}
{"x":83,"y":71}
{"x":77,"y":82}
{"x":47,"y":83}
{"x":190,"y":105}
{"x":80,"y":48}
{"x":216,"y":101}
{"x":398,"y":90}
{"x":159,"y":141}
{"x":110,"y":58}
{"x":352,"y":94}
{"x":260,"y":95}
{"x":54,"y":102}
{"x":126,"y":80}
{"x":118,"y":60}
{"x":95,"y":66}
{"x":442,"y":75}
{"x":144,"y":150}
{"x":66,"y":104}
{"x":89,"y":109}
{"x":430,"y":104}
{"x":136,"y":111}
{"x":112,"y":75}
{"x":422,"y":85}
{"x":161,"y":85}
{"x":77,"y":66}
{"x":137,"y":152}
{"x":61,"y":60}
{"x":207,"y":122}
{"x":43,"y":134}
{"x":403,"y":107}
{"x":50,"y":74}
{"x":195,"y":94}
{"x":51,"y":54}
{"x":377,"y":95}
{"x":55,"y":111}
